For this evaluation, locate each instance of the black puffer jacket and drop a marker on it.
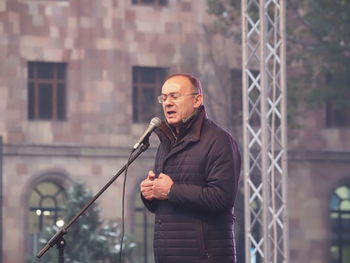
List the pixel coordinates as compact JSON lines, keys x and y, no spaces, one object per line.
{"x":196,"y":223}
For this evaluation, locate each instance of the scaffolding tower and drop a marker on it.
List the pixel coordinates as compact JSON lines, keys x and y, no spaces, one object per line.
{"x":264,"y":131}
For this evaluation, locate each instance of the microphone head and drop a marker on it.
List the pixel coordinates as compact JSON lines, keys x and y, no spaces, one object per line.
{"x":155,"y":122}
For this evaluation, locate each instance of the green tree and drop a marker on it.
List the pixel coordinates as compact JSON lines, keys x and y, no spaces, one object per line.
{"x":318,"y":35}
{"x":88,"y":240}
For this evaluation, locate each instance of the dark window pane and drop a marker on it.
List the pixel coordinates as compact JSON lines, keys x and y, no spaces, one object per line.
{"x":163,"y":2}
{"x":61,"y":71}
{"x":45,"y":101}
{"x":148,"y":1}
{"x":147,"y":83}
{"x":61,"y":99}
{"x":135,"y":104}
{"x":162,"y":73}
{"x":46,"y":90}
{"x":45,"y":70}
{"x":31,"y":70}
{"x":135,"y":74}
{"x":337,"y":115}
{"x":148,"y":103}
{"x":151,"y":2}
{"x":339,"y":118}
{"x":31,"y":101}
{"x":148,"y":75}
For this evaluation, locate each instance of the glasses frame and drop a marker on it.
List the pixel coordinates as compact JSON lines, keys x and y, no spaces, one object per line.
{"x":173,"y":96}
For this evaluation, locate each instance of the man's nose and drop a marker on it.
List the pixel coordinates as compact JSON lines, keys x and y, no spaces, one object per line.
{"x":168,"y":101}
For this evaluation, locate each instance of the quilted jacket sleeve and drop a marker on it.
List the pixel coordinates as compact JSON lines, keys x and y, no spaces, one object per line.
{"x":222,"y":170}
{"x":150,"y":205}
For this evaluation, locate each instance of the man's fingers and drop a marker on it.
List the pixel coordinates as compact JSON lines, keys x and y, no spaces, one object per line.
{"x":147,"y":193}
{"x":146,"y":188}
{"x":151,"y":175}
{"x":147,"y":183}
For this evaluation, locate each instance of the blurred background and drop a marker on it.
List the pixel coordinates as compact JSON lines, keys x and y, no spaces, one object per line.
{"x":78,"y":86}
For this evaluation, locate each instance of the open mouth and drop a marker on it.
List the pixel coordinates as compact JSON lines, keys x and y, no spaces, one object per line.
{"x":170,"y":113}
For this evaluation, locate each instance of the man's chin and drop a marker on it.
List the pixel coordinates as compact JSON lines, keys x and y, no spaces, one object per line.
{"x":172,"y":122}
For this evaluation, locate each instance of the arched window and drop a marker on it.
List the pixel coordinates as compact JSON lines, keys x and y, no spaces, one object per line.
{"x":46,"y":202}
{"x":340,"y":225}
{"x":143,"y":232}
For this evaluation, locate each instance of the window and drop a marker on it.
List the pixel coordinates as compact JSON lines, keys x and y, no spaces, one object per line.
{"x":336,"y":116}
{"x":147,"y":82}
{"x":143,"y":232}
{"x":337,"y":103}
{"x":46,"y":202}
{"x":340,"y":225}
{"x":151,"y":2}
{"x":46,"y":91}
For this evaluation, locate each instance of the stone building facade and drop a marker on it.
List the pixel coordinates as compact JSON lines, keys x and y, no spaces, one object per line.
{"x":77,"y":87}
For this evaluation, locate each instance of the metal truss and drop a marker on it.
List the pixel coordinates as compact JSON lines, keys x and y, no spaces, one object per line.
{"x":264,"y":131}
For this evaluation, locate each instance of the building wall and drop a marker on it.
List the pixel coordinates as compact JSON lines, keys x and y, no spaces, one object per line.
{"x":101,"y":41}
{"x":24,"y":166}
{"x":319,"y":162}
{"x":313,"y":177}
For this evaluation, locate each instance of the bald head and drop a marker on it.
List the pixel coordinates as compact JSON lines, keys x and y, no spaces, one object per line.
{"x":192,"y":81}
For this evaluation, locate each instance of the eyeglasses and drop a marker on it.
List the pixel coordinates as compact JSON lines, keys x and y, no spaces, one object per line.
{"x":173,"y":96}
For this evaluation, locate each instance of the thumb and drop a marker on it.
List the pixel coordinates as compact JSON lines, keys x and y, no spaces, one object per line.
{"x":151,"y":175}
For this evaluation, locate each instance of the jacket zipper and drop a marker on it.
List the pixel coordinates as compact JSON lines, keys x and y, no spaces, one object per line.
{"x":205,"y":247}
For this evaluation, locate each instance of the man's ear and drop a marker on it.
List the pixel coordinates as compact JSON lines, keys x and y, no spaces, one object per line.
{"x":198,"y":100}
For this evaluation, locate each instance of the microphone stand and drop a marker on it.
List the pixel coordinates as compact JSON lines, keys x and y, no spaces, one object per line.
{"x":58,"y":239}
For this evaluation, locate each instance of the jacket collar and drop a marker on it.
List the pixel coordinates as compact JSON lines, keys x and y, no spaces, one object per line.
{"x":189,"y":129}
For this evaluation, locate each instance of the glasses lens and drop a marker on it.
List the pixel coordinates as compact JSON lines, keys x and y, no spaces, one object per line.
{"x":174,"y":96}
{"x":160,"y":99}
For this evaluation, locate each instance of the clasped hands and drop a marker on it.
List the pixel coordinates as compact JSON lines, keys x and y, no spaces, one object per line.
{"x":156,"y":187}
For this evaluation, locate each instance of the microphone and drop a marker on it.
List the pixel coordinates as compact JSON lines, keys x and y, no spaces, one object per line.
{"x":154,"y":123}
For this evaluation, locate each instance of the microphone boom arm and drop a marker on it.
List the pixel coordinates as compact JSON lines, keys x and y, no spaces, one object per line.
{"x":58,"y":237}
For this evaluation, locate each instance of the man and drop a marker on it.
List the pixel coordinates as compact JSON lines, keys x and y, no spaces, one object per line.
{"x":194,"y":184}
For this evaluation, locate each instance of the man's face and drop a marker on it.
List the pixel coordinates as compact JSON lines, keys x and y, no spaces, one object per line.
{"x":175,"y":110}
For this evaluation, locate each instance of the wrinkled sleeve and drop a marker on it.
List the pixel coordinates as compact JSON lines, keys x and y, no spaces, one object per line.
{"x":218,"y":194}
{"x":151,"y":204}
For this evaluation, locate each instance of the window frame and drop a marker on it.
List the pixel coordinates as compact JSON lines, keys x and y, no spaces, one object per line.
{"x":37,"y":221}
{"x":338,"y":215}
{"x":57,"y":86}
{"x":161,"y":3}
{"x":336,"y":118}
{"x":139,"y":115}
